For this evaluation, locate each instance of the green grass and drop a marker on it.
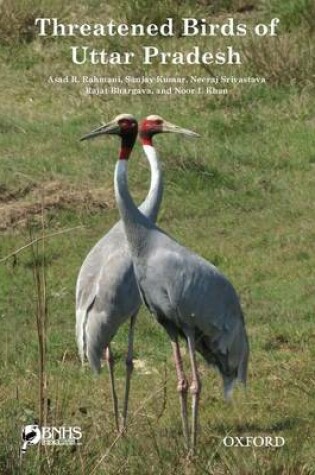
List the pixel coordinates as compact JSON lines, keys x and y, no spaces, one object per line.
{"x":242,"y":196}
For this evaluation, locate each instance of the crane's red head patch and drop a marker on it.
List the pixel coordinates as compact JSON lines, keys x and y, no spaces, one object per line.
{"x":128,"y":127}
{"x":125,"y":126}
{"x":154,"y":124}
{"x":151,"y":125}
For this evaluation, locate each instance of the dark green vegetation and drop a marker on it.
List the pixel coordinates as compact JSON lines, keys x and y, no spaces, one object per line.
{"x":242,"y":196}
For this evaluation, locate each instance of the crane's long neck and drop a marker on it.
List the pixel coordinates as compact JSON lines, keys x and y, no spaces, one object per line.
{"x":151,"y":205}
{"x":136,"y":225}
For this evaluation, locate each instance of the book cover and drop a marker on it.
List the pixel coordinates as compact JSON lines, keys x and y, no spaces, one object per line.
{"x":238,"y":73}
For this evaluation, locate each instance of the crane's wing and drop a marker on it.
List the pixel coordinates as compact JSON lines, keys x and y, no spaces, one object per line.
{"x":184,"y":290}
{"x":183,"y":286}
{"x":106,"y":295}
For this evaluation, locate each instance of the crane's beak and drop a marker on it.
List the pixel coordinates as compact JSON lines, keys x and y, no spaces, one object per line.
{"x":112,"y":128}
{"x":172,"y":128}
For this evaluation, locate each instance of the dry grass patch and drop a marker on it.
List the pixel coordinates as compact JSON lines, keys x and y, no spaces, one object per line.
{"x":18,"y":206}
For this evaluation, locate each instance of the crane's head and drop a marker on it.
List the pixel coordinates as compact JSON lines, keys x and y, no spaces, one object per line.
{"x":154,"y":124}
{"x":125,"y":126}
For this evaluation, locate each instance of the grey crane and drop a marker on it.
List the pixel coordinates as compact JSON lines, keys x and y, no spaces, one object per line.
{"x":107,"y":294}
{"x":188,"y":296}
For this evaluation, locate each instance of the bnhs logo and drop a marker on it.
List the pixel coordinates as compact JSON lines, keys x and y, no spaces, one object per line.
{"x":31,"y":435}
{"x":49,"y":435}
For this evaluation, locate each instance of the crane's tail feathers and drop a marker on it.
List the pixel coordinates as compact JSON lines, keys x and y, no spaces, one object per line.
{"x":228,"y":386}
{"x":231,"y":361}
{"x":80,"y":330}
{"x":242,"y":371}
{"x":98,"y":332}
{"x":229,"y":382}
{"x":94,"y":359}
{"x":243,"y":364}
{"x":87,"y":349}
{"x":82,"y":315}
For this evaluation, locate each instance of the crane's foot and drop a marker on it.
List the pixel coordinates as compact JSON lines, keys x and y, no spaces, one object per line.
{"x":191,"y":455}
{"x":123,"y":429}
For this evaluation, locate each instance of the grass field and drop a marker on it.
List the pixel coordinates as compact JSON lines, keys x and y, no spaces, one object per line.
{"x":242,"y":196}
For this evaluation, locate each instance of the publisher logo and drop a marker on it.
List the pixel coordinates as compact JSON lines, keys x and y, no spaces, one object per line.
{"x":30,"y":435}
{"x":50,"y":435}
{"x":254,"y":441}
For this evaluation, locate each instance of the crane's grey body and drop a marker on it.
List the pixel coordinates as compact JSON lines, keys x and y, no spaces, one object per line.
{"x":188,"y":296}
{"x":183,"y":290}
{"x":107,"y":294}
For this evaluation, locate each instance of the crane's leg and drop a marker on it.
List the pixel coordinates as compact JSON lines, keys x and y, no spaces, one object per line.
{"x":182,"y":388}
{"x":110,"y":364}
{"x":129,"y":370}
{"x":195,"y":387}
